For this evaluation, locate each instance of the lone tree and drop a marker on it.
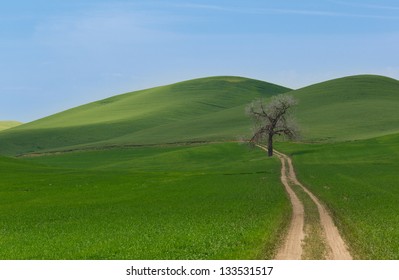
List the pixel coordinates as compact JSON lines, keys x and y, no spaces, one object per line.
{"x":273,"y":118}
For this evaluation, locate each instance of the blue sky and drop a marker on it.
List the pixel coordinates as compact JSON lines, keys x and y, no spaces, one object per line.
{"x":57,"y":54}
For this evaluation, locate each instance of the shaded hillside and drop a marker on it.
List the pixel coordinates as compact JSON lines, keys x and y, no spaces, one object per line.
{"x":195,"y":110}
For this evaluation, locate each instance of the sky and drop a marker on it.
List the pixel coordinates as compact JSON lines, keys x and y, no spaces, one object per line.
{"x":55,"y":55}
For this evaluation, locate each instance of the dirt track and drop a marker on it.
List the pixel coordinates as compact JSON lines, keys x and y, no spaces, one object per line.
{"x":291,"y":248}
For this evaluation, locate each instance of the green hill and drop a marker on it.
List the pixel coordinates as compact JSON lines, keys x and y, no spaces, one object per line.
{"x":8,"y":124}
{"x":195,"y":110}
{"x":356,"y":107}
{"x":212,"y":109}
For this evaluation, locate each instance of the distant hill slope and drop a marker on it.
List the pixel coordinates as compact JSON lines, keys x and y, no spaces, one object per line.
{"x":212,"y":109}
{"x":8,"y":124}
{"x":349,"y":108}
{"x":201,"y":109}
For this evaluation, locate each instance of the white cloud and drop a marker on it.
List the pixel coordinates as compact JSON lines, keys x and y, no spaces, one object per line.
{"x":364,"y":5}
{"x":201,"y":6}
{"x":285,"y":11}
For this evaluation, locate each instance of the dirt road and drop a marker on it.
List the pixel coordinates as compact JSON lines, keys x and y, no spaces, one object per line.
{"x":291,"y":249}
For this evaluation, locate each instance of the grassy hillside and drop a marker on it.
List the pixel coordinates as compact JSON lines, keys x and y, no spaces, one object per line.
{"x":356,"y":107}
{"x":201,"y":109}
{"x":358,"y":181}
{"x":207,"y":109}
{"x":220,"y":201}
{"x":8,"y":124}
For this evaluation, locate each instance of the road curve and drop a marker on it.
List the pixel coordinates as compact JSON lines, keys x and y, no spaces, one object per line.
{"x":291,"y":248}
{"x":337,"y":249}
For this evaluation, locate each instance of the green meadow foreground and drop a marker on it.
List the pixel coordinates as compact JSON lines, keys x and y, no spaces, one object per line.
{"x":359,"y":183}
{"x":221,"y":201}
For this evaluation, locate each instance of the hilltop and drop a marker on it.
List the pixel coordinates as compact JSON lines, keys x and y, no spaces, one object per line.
{"x":8,"y":124}
{"x":196,"y":110}
{"x":349,"y":108}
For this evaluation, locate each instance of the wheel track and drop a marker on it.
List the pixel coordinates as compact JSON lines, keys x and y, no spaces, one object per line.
{"x":291,"y":248}
{"x":337,"y":249}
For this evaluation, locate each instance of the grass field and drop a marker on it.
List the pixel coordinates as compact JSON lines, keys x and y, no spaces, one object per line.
{"x":8,"y":124}
{"x":215,"y":201}
{"x":358,"y":181}
{"x":220,"y":201}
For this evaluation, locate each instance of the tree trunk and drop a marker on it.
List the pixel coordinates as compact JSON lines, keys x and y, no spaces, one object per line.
{"x":270,"y":145}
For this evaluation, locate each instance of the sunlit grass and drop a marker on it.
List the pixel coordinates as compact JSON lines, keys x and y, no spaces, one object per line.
{"x":203,"y":202}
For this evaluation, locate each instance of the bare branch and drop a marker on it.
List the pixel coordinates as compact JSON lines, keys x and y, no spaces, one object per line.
{"x":273,"y":118}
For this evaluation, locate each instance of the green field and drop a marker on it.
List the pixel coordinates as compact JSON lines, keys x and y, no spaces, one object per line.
{"x":127,"y":178}
{"x":359,"y":182}
{"x":221,"y":201}
{"x":8,"y":124}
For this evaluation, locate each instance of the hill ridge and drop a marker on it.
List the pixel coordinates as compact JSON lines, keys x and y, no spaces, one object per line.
{"x":358,"y":76}
{"x":210,"y":108}
{"x":8,"y":124}
{"x":346,"y":106}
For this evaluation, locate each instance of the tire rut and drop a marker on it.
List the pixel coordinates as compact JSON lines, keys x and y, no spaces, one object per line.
{"x":336,"y":247}
{"x":291,"y":248}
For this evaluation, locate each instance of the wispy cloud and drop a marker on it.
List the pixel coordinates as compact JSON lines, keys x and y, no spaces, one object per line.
{"x":286,"y":11}
{"x":100,"y":29}
{"x":203,"y":6}
{"x":17,"y":88}
{"x":324,"y":13}
{"x":363,"y":5}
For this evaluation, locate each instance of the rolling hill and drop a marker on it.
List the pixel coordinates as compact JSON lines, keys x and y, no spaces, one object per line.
{"x":349,"y":108}
{"x":8,"y":124}
{"x":195,"y":110}
{"x":212,"y":109}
